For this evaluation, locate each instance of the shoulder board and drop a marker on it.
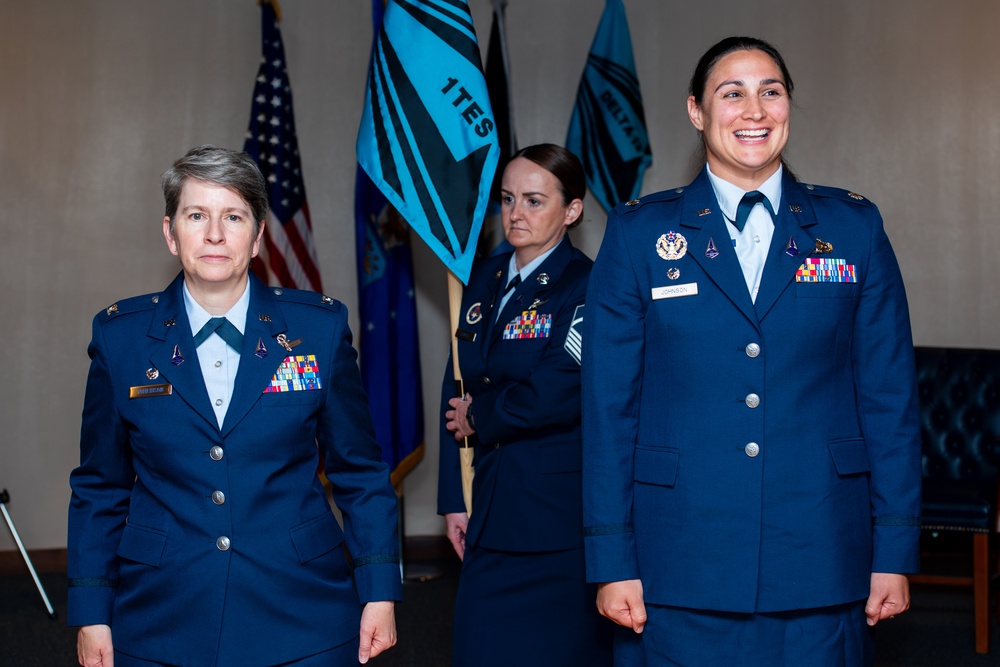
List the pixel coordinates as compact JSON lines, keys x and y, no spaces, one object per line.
{"x":306,"y":297}
{"x":656,"y":197}
{"x":133,"y":304}
{"x":835,"y":193}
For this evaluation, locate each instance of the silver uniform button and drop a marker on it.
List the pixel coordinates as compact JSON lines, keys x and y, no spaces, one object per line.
{"x":216,"y":453}
{"x":218,"y":401}
{"x":487,"y":381}
{"x":752,"y":350}
{"x":218,"y":363}
{"x":223,"y":543}
{"x":752,"y":449}
{"x":752,"y":400}
{"x":218,"y":497}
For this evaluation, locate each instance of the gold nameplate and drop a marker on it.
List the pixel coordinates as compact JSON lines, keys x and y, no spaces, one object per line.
{"x":150,"y":390}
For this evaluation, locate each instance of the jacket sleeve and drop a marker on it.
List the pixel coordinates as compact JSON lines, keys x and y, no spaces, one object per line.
{"x":885,"y":378}
{"x":612,"y":377}
{"x":101,"y":489}
{"x":358,"y":475}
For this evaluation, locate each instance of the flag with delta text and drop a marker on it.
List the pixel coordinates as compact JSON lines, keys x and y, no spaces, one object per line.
{"x":427,"y":137}
{"x":389,"y":353}
{"x":288,"y":254}
{"x":608,"y":128}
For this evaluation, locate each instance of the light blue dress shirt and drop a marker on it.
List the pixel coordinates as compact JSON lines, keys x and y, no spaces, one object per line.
{"x":754,"y":241}
{"x":524,"y":273}
{"x":218,"y":361}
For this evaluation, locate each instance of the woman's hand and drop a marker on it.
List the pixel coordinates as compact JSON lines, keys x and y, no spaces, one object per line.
{"x":378,"y":629}
{"x":458,"y":417}
{"x":93,"y":646}
{"x":455,"y":526}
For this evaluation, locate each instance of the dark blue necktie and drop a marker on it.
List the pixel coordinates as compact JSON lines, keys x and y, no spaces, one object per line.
{"x":224,"y":328}
{"x":514,"y":282}
{"x":750,"y":200}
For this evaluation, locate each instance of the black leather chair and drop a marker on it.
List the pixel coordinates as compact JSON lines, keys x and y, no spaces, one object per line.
{"x":960,"y":433}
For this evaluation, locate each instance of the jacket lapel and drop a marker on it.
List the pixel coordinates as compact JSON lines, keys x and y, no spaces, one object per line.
{"x":174,"y":355}
{"x":724,"y":269}
{"x":264,"y":322}
{"x":794,"y":217}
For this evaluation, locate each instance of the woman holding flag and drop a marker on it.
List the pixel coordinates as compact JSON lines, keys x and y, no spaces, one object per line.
{"x":519,"y":349}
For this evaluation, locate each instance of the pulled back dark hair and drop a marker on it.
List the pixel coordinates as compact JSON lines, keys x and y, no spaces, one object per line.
{"x":704,"y":68}
{"x":562,"y":164}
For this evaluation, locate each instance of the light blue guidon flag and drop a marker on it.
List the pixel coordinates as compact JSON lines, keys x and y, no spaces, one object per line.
{"x":608,"y":128}
{"x":427,"y":137}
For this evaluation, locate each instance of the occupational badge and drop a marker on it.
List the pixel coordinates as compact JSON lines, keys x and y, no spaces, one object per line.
{"x":543,"y":279}
{"x":823,"y":248}
{"x":287,"y":344}
{"x":711,"y":251}
{"x":152,"y":373}
{"x":475,"y":313}
{"x":671,"y":246}
{"x":673,"y":273}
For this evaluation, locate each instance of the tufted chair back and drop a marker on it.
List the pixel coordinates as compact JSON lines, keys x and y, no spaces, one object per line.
{"x":960,"y":435}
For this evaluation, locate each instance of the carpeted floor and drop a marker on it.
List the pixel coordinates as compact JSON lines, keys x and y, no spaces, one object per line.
{"x":936,"y":632}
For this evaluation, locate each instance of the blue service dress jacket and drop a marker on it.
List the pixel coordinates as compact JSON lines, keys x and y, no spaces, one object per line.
{"x":523,"y":373}
{"x":202,"y":545}
{"x":741,"y":456}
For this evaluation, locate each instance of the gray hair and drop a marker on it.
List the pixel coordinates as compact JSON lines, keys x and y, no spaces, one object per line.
{"x":219,"y":166}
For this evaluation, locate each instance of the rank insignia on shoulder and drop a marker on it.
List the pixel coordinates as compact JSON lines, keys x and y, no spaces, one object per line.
{"x":574,"y":337}
{"x":112,"y":309}
{"x":855,"y":195}
{"x":632,"y":202}
{"x":671,"y":246}
{"x":328,"y":300}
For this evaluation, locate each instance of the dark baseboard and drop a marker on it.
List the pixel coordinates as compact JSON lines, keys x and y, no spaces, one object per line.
{"x":45,"y":561}
{"x":53,"y":561}
{"x":427,"y":547}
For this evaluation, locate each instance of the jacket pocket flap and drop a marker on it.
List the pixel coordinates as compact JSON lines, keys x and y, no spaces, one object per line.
{"x":850,"y":456}
{"x":316,"y":537}
{"x":142,"y":544}
{"x":656,"y":466}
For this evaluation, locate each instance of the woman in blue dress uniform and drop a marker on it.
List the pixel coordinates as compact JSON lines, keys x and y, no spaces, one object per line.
{"x":522,"y":599}
{"x":751,"y":443}
{"x":199,"y":532}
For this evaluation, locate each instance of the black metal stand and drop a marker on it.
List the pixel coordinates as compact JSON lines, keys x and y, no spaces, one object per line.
{"x":411,"y":572}
{"x":4,"y":499}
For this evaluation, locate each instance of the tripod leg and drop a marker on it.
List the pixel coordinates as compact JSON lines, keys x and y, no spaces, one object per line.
{"x":27,"y":560}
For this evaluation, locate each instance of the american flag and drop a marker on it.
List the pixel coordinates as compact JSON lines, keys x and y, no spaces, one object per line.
{"x":288,"y":253}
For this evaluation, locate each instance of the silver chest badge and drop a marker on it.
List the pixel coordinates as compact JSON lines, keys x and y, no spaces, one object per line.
{"x":671,"y":246}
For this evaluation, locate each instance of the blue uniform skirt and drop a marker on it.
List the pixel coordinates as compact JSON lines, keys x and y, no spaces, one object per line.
{"x":516,"y":608}
{"x":835,"y":636}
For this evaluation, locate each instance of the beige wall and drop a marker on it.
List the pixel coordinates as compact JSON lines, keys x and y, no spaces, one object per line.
{"x":896,"y":99}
